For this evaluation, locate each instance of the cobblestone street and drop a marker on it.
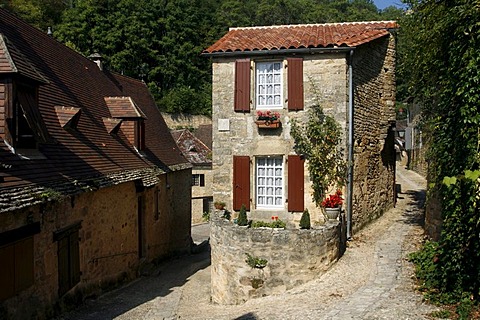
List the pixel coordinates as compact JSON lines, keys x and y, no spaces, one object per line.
{"x":373,"y":280}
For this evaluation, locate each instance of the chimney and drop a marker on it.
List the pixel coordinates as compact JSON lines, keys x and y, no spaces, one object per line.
{"x":97,"y":58}
{"x":49,"y":32}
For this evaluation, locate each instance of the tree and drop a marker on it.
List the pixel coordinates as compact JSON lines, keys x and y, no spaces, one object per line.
{"x":441,"y":62}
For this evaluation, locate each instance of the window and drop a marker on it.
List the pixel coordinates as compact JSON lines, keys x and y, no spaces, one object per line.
{"x":198,"y":180}
{"x":269,"y":86}
{"x":269,"y":185}
{"x":68,"y":258}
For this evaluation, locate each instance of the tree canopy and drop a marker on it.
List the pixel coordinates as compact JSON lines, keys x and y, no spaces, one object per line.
{"x":440,"y":64}
{"x":160,"y":41}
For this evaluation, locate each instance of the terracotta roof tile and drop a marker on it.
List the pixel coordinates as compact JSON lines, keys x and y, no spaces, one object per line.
{"x":75,"y":82}
{"x":68,"y":116}
{"x":348,"y":34}
{"x":13,"y":61}
{"x":123,"y":107}
{"x":196,"y":152}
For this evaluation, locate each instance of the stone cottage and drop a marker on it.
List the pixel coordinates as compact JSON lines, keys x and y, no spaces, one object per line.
{"x":349,"y":69}
{"x":196,"y":147}
{"x":92,"y":185}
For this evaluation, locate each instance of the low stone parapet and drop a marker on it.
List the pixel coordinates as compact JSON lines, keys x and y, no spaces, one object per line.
{"x":285,"y":259}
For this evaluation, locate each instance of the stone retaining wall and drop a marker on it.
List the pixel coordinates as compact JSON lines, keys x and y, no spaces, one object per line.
{"x":293,"y":257}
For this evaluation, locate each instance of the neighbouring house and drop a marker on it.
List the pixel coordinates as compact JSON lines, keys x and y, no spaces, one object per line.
{"x":349,"y":69}
{"x":196,"y":146}
{"x":92,"y":185}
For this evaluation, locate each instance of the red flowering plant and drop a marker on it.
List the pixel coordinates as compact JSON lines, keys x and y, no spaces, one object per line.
{"x":267,"y":115}
{"x":333,"y":200}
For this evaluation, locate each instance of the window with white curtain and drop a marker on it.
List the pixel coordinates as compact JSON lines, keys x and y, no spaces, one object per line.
{"x":269,"y":182}
{"x":268,"y":85}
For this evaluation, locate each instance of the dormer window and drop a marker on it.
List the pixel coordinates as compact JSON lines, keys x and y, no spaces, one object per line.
{"x":132,"y":119}
{"x":25,"y":124}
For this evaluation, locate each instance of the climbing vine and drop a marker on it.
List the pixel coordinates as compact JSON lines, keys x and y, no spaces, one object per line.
{"x":319,"y":140}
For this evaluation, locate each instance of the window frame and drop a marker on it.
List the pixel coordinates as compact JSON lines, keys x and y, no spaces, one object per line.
{"x":258,"y":64}
{"x":198,"y":180}
{"x":265,"y":185}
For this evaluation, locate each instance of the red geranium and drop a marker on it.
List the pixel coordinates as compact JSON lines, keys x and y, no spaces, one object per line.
{"x":268,"y":115}
{"x":333,"y":200}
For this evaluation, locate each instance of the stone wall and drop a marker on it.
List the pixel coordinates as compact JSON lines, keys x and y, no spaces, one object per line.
{"x":374,"y":116}
{"x":110,"y":252}
{"x":293,"y":257}
{"x":176,"y":120}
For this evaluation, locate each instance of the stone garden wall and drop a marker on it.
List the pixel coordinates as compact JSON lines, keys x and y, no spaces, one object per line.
{"x":293,"y":257}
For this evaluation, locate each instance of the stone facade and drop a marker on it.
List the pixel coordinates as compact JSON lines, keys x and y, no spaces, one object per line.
{"x":293,"y":257}
{"x":325,"y":81}
{"x":120,"y":228}
{"x":202,"y":195}
{"x":374,"y":118}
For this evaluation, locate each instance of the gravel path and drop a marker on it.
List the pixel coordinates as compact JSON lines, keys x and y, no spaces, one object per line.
{"x":373,"y":280}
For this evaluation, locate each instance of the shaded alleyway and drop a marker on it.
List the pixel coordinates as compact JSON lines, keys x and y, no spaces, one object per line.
{"x":373,"y":280}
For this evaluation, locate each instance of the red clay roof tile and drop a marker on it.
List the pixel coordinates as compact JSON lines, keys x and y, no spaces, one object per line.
{"x":348,"y":34}
{"x":75,"y":81}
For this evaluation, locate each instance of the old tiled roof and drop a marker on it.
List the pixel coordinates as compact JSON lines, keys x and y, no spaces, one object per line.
{"x":92,"y":150}
{"x":204,"y":133}
{"x":196,"y":152}
{"x":123,"y":107}
{"x":13,"y":61}
{"x":330,"y":35}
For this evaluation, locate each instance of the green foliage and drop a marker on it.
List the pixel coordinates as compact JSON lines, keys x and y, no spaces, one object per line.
{"x":440,"y":58}
{"x":206,"y":216}
{"x":255,"y":262}
{"x":319,"y":141}
{"x":274,"y":224}
{"x":242,"y":216}
{"x":305,"y":220}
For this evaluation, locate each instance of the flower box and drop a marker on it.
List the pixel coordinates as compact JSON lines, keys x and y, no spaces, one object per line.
{"x":268,"y":124}
{"x":268,"y":119}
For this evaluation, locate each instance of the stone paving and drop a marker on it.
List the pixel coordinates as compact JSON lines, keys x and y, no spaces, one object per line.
{"x":373,"y":280}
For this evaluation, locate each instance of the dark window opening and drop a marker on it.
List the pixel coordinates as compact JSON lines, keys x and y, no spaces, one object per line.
{"x":16,"y":267}
{"x":198,"y":180}
{"x":68,"y":258}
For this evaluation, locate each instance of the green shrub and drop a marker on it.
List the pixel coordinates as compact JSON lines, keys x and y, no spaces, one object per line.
{"x":274,"y":224}
{"x":242,"y":216}
{"x":206,"y":216}
{"x":305,"y":220}
{"x":256,"y":262}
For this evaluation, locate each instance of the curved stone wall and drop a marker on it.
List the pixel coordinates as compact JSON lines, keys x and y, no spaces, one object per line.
{"x":293,"y":257}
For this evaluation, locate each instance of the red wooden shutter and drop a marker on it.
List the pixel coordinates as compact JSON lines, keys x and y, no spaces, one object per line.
{"x":242,"y":85}
{"x":295,"y":83}
{"x":296,"y":183}
{"x":241,"y":182}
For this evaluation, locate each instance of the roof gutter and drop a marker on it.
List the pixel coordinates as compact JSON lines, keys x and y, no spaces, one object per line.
{"x":277,"y":52}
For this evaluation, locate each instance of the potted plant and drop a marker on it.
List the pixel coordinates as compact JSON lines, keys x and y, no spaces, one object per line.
{"x":305,"y":220}
{"x":219,"y":205}
{"x":332,"y":205}
{"x":268,"y":119}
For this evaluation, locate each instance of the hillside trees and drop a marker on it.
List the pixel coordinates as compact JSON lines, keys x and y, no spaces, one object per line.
{"x":440,"y":59}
